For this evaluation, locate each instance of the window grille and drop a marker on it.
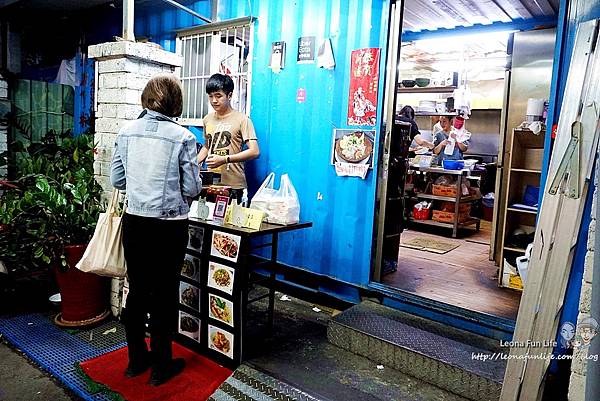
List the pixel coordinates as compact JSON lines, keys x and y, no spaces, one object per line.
{"x":223,"y":47}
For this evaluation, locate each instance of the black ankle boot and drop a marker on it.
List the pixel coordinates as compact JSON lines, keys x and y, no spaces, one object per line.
{"x":162,"y":374}
{"x":136,"y":368}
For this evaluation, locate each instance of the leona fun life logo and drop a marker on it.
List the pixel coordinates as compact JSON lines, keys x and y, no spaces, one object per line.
{"x":570,"y":338}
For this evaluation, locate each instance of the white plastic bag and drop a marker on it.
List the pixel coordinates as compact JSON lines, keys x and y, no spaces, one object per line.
{"x":282,"y":205}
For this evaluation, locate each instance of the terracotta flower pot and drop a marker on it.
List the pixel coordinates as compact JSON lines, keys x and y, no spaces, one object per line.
{"x":84,"y":296}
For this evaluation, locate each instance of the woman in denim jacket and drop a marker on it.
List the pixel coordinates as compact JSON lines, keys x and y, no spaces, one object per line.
{"x":155,"y":162}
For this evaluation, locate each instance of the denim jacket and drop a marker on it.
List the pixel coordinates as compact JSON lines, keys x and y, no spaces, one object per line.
{"x":155,"y":161}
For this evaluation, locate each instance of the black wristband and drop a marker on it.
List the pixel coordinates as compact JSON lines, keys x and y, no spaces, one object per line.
{"x":227,"y":159}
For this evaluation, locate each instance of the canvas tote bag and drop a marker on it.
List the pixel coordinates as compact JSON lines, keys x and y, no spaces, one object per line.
{"x":104,"y":254}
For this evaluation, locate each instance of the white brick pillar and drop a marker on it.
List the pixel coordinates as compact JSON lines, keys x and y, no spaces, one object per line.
{"x":579,"y":363}
{"x":123,"y":69}
{"x":3,"y":125}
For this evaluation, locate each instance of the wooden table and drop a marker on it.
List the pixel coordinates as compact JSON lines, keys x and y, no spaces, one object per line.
{"x":461,"y":175}
{"x":218,"y":269}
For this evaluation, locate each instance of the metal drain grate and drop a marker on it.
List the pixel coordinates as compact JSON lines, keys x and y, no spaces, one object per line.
{"x":107,"y":335}
{"x":54,"y":350}
{"x":248,"y":384}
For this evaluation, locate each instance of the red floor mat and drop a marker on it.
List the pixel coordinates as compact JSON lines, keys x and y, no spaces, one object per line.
{"x":200,"y":378}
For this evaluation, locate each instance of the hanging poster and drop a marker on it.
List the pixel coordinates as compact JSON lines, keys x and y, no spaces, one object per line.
{"x":189,"y":326}
{"x":306,"y":50}
{"x":352,"y":146}
{"x":220,"y":309}
{"x":225,"y":245}
{"x":220,"y":341}
{"x":364,"y":78}
{"x":221,"y":277}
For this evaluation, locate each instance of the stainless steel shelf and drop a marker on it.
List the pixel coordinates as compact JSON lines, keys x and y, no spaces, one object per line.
{"x":469,"y":222}
{"x":427,"y":89}
{"x":449,"y":198}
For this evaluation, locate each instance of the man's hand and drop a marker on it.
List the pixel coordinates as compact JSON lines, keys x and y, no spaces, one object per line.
{"x":214,"y":161}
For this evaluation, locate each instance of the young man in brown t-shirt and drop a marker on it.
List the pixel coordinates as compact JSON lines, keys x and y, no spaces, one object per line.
{"x":225,"y":132}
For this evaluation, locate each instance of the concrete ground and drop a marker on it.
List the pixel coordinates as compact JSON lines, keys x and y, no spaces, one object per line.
{"x":297,"y":353}
{"x":21,"y":380}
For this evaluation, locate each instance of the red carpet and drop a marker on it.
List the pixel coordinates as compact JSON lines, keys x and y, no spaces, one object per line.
{"x":197,"y":382}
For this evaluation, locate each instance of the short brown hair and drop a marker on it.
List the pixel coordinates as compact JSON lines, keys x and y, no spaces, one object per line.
{"x":163,"y":94}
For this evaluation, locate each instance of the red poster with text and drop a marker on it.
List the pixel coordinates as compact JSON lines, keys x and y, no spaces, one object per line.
{"x":364,"y":79}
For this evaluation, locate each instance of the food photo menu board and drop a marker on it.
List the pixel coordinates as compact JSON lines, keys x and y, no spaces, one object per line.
{"x":210,"y":298}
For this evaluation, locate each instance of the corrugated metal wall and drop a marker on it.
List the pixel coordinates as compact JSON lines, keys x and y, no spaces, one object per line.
{"x":295,"y":138}
{"x":159,"y":21}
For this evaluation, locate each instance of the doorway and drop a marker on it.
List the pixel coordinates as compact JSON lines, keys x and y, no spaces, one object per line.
{"x":441,"y":234}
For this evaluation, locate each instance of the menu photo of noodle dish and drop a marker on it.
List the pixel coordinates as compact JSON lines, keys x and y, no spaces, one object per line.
{"x":189,"y":295}
{"x":221,"y":277}
{"x":220,"y":340}
{"x":226,"y":246}
{"x":220,"y":309}
{"x":189,"y":326}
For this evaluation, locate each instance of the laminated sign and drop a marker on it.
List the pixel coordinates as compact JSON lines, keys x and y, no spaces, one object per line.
{"x":306,"y":50}
{"x":364,"y":78}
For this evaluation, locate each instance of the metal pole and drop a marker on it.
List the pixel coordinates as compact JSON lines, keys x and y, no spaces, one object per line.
{"x":128,"y":16}
{"x":188,"y":10}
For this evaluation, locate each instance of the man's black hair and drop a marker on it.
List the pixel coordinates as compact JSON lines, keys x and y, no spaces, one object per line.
{"x":218,"y":82}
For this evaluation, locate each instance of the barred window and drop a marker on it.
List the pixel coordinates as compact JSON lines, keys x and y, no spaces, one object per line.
{"x":223,"y":47}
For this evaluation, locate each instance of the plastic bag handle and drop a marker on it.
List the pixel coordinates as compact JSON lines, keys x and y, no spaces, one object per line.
{"x":287,"y":187}
{"x":268,"y":182}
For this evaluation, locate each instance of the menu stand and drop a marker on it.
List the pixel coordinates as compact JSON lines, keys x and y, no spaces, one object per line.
{"x":215,"y":283}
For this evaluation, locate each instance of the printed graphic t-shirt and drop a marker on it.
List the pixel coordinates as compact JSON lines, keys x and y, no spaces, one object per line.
{"x":225,"y":136}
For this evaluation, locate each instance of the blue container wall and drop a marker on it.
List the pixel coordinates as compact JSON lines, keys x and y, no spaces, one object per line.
{"x":159,"y":21}
{"x":296,"y":138}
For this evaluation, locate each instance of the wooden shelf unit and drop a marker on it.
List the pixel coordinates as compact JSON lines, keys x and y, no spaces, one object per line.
{"x":524,"y":166}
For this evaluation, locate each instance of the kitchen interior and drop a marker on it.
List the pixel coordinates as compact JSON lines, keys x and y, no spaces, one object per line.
{"x":467,"y":224}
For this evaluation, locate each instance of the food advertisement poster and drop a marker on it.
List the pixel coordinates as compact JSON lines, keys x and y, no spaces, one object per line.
{"x":220,"y":341}
{"x":196,"y":238}
{"x":364,"y":77}
{"x":189,"y":295}
{"x":352,"y":146}
{"x":226,"y":246}
{"x":220,"y":309}
{"x":191,"y":268}
{"x":221,"y":277}
{"x":189,"y":326}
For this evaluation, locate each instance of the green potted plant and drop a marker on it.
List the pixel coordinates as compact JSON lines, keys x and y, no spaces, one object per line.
{"x":48,"y":215}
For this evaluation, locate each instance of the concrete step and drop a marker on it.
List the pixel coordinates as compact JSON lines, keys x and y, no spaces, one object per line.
{"x":434,"y":353}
